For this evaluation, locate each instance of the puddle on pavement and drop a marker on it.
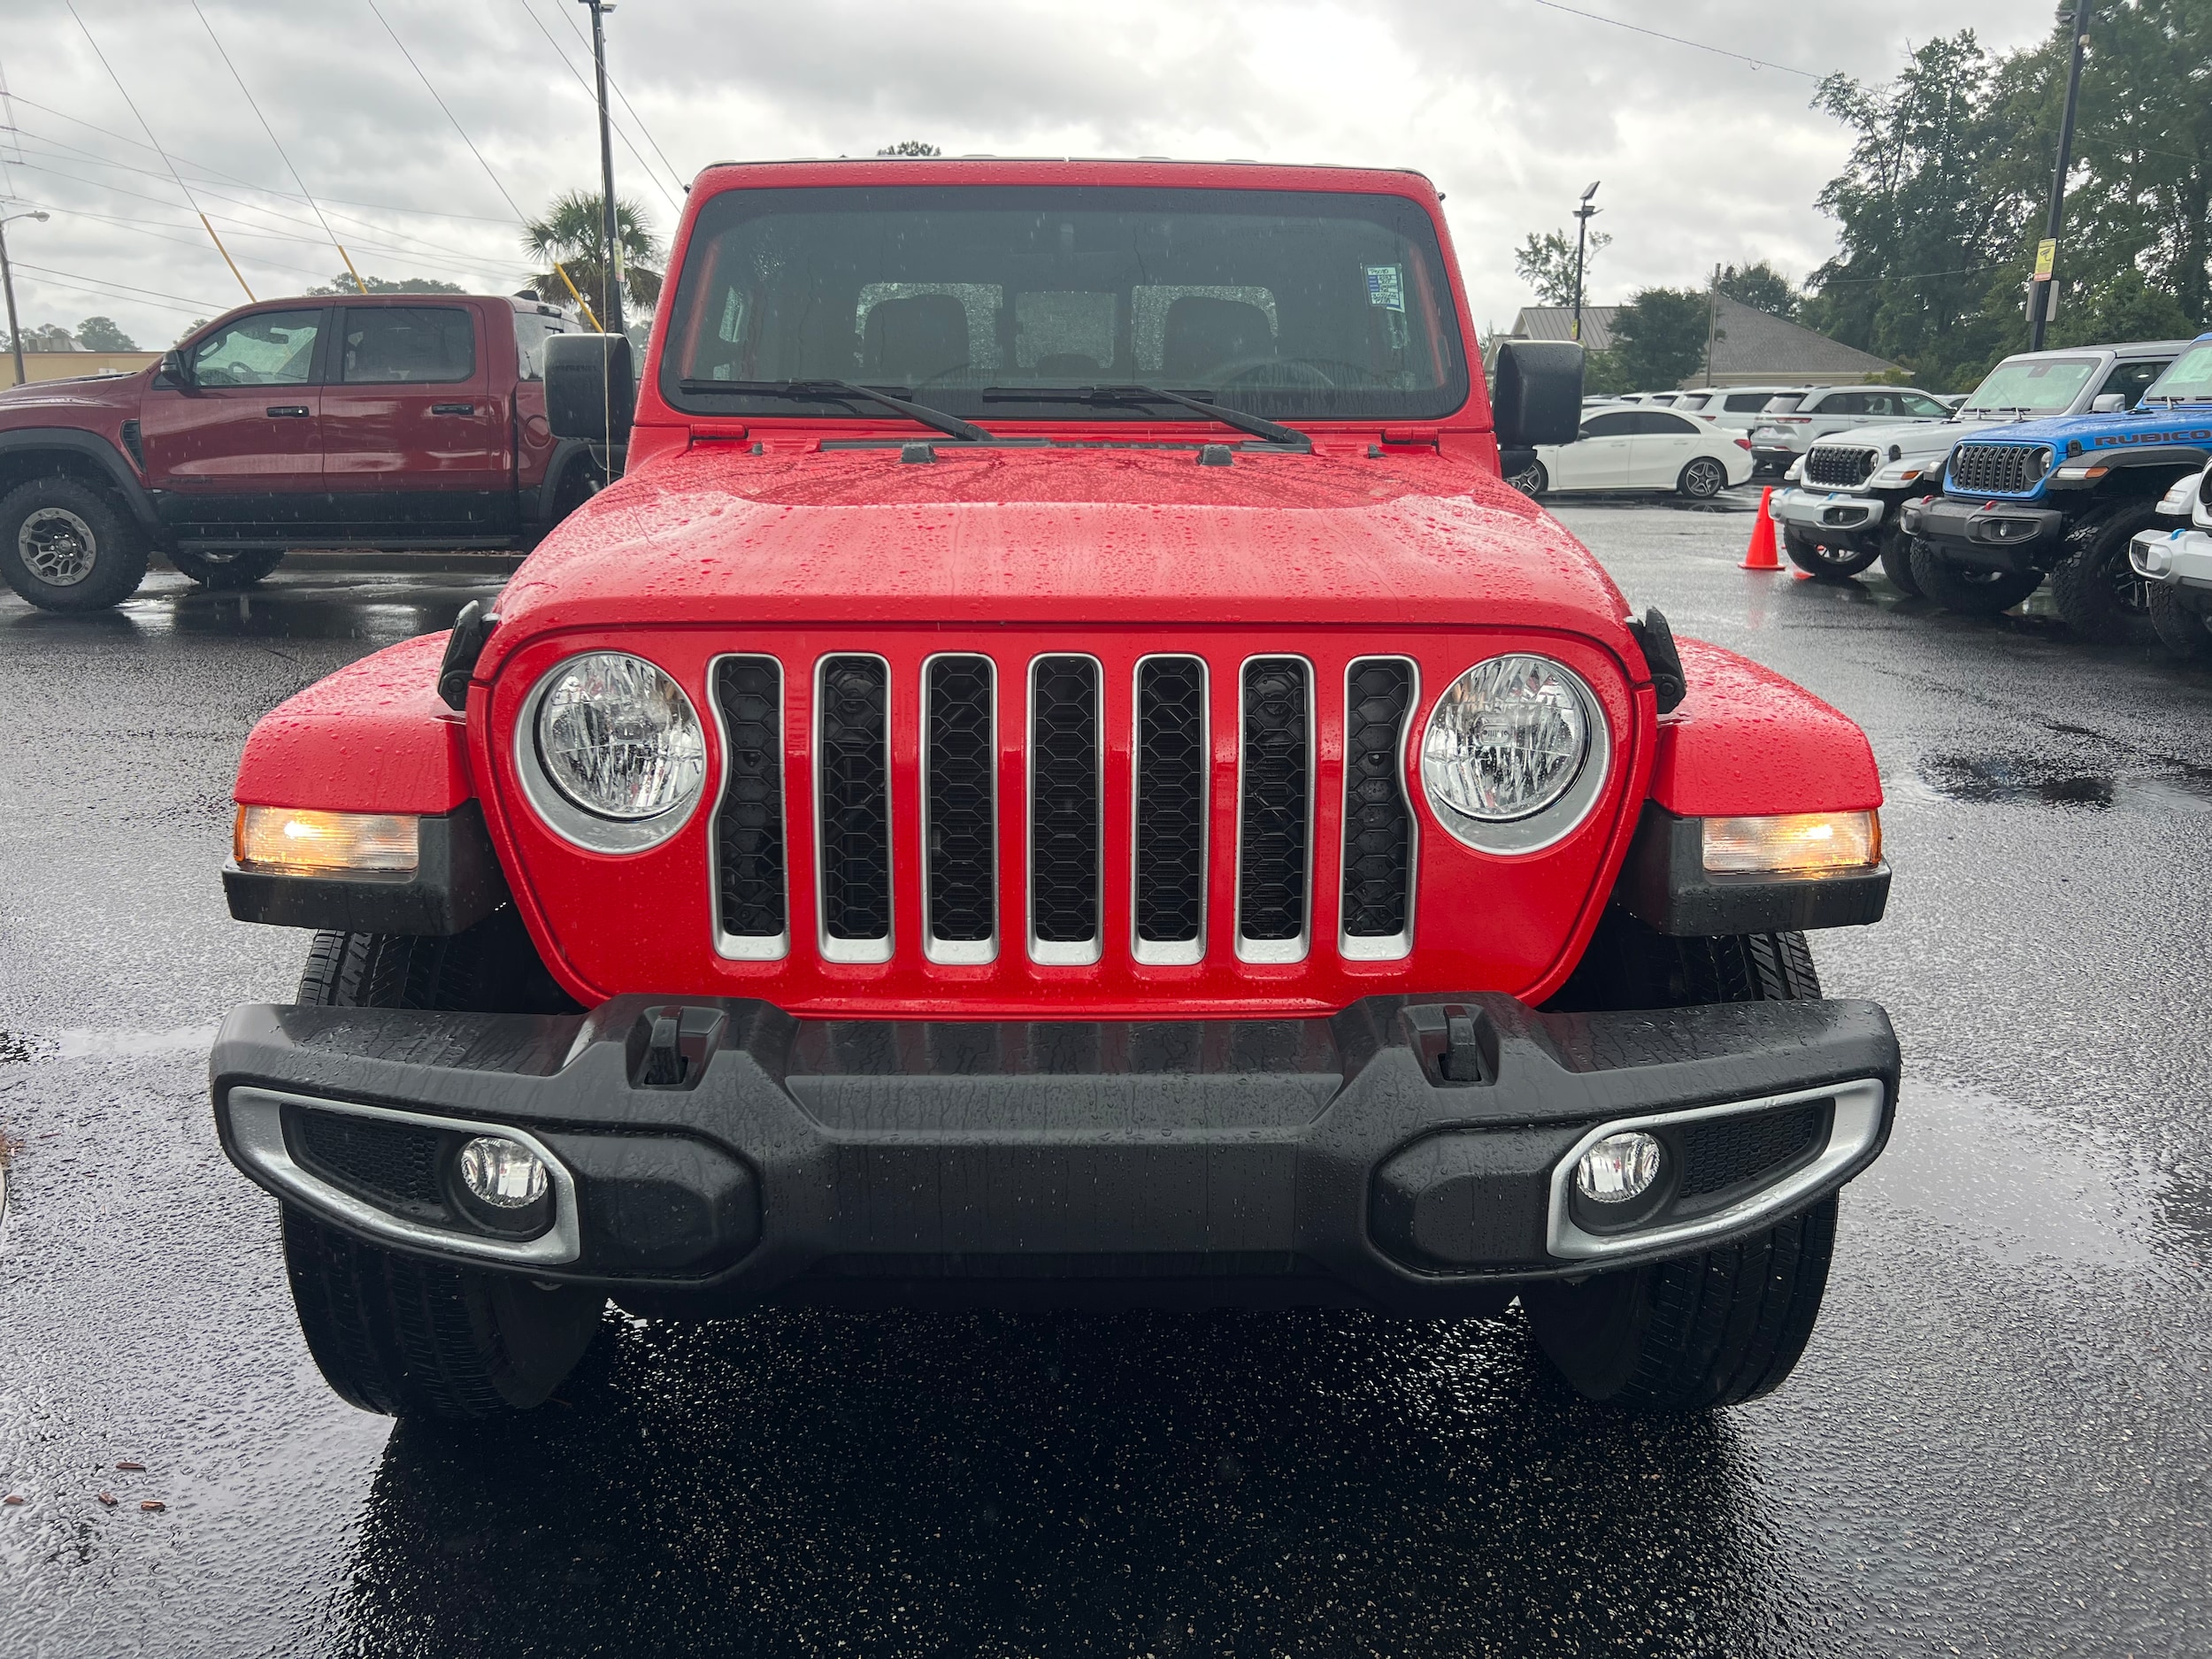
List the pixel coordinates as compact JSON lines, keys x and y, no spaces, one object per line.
{"x":2021,"y":1188}
{"x":28,"y":1048}
{"x":2000,"y":779}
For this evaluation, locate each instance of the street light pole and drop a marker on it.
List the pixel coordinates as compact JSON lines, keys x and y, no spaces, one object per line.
{"x":2043,"y":286}
{"x":1582,"y":238}
{"x":611,"y":319}
{"x":7,"y":281}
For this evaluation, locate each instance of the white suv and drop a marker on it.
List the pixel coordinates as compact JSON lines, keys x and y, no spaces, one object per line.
{"x":1738,"y":408}
{"x":1790,"y":422}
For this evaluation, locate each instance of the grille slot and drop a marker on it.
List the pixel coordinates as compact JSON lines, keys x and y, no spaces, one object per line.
{"x":751,"y":890}
{"x":1838,"y":467}
{"x":1065,"y":792}
{"x":1169,"y":842}
{"x":1275,"y":809}
{"x":853,"y":770}
{"x":391,"y":1164}
{"x":1998,"y":469}
{"x":1378,"y":846}
{"x":1722,"y":1153}
{"x":960,"y":810}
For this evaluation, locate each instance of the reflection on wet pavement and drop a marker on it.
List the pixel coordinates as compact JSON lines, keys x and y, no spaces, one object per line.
{"x":2003,"y":778}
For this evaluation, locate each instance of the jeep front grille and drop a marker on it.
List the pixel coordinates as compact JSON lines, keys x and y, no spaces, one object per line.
{"x":1838,"y":467}
{"x":1998,"y":469}
{"x":943,"y":738}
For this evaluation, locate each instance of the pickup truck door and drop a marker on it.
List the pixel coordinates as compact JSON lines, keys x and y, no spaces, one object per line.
{"x":416,"y":443}
{"x":237,"y":452}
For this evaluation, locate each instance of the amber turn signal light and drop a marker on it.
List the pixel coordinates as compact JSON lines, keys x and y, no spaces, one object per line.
{"x":1795,"y":844}
{"x":326,"y":843}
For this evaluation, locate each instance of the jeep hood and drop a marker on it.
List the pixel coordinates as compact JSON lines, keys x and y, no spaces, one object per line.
{"x":1910,"y":438}
{"x":1067,"y":535}
{"x":2056,"y":429}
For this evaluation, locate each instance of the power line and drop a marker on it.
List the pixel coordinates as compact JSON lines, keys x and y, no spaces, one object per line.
{"x":265,"y":127}
{"x":119,"y":287}
{"x":520,"y":218}
{"x":643,"y":166}
{"x":1718,"y":51}
{"x":569,"y":18}
{"x":156,"y":142}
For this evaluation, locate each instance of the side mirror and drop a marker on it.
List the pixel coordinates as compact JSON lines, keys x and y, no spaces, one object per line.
{"x":176,"y":369}
{"x":1539,"y":392}
{"x":2108,"y":403}
{"x":590,"y":389}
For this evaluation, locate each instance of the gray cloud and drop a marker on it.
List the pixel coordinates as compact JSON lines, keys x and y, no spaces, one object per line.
{"x":1511,"y":107}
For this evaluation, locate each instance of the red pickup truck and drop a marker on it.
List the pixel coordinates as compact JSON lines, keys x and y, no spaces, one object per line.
{"x":390,"y":421}
{"x":1061,"y":772}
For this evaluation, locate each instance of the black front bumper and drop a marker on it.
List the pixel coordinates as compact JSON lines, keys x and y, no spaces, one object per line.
{"x":1990,"y":535}
{"x":1408,"y":1156}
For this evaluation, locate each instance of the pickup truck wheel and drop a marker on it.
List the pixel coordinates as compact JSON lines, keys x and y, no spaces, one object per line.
{"x":395,"y":1333}
{"x":225,"y":572}
{"x":1896,"y":558}
{"x":1971,"y":593}
{"x":414,"y":1337}
{"x":65,"y":546}
{"x":2100,"y":594}
{"x":1826,"y":562}
{"x":1725,"y":1326}
{"x":2185,"y":632}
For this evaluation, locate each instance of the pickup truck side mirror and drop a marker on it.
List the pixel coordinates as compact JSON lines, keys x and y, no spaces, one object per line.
{"x":2108,"y":403}
{"x":176,"y":369}
{"x":590,"y":389}
{"x":1539,"y":392}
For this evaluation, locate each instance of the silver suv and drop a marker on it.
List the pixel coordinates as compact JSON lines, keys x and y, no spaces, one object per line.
{"x":1841,"y":512}
{"x":1789,"y":424}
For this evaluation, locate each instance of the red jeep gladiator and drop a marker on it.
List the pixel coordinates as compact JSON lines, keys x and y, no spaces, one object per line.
{"x":394,"y":420}
{"x":1060,"y":773}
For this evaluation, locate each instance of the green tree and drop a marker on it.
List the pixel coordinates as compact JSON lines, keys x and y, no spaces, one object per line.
{"x":1546,"y":264}
{"x":1761,"y":287}
{"x":1659,"y":338}
{"x":342,"y":283}
{"x":570,"y":234}
{"x":910,"y":147}
{"x":100,"y":333}
{"x":49,"y":337}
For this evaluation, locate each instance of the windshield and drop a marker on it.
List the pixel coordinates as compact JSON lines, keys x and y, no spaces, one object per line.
{"x":979,"y":300}
{"x":2189,"y":379}
{"x":2040,"y":385}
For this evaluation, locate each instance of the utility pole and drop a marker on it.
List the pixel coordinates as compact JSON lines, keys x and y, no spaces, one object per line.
{"x":2043,"y":286}
{"x":610,"y":232}
{"x":1582,"y":237}
{"x":7,"y":281}
{"x":1712,"y":323}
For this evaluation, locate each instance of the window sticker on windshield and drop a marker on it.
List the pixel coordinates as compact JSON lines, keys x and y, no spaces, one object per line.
{"x":1387,"y":287}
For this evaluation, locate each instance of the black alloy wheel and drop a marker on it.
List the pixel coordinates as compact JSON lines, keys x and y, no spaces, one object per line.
{"x":1837,"y":561}
{"x":65,"y":546}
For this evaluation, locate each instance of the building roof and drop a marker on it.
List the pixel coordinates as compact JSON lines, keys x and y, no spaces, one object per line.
{"x":1753,"y":346}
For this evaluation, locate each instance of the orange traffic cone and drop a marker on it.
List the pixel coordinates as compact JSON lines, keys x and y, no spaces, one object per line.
{"x":1760,"y":556}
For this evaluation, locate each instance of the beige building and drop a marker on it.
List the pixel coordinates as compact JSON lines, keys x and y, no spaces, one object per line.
{"x":74,"y":366}
{"x":1754,"y":347}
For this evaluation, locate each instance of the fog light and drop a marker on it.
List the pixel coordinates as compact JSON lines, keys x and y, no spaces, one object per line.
{"x":504,"y":1174}
{"x":295,"y":839}
{"x":1793,"y":844}
{"x":1618,"y":1168}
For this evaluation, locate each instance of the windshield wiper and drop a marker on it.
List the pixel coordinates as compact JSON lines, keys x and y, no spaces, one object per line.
{"x":952,"y":424}
{"x":1290,"y":437}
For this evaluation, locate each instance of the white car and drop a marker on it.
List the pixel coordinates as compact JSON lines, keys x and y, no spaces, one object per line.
{"x":1641,"y":448}
{"x":1792,"y":421}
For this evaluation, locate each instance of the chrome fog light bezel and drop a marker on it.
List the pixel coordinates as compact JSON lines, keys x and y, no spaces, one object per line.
{"x":1557,"y":819}
{"x":574,"y":824}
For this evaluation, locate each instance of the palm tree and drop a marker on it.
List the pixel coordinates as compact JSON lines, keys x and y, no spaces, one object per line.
{"x":570,"y":235}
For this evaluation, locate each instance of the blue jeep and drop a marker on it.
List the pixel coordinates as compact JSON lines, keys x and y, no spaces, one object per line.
{"x":2064,"y":498}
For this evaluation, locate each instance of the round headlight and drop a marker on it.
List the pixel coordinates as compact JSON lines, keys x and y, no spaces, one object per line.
{"x":1508,"y":739}
{"x":618,"y":738}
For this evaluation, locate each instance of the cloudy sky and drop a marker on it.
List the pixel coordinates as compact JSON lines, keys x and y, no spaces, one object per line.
{"x":1707,"y":151}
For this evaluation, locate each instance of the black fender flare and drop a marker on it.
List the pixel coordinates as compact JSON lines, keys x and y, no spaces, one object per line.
{"x":565,"y":454}
{"x":111,"y":460}
{"x":2191,"y":455}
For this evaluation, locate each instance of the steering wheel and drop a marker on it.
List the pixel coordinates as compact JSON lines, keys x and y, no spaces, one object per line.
{"x":1238,"y":369}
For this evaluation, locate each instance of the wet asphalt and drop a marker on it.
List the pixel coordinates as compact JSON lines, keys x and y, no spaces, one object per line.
{"x":1997,"y":1444}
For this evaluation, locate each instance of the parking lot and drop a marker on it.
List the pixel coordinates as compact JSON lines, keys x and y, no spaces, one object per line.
{"x":1997,"y":1444}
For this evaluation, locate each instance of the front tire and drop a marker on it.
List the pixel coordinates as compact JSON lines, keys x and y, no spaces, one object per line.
{"x":1971,"y":593}
{"x":2097,"y":590}
{"x":1896,"y":558}
{"x":225,"y":572}
{"x":2187,"y":633}
{"x":1823,"y":562}
{"x":63,"y":546}
{"x":400,"y":1334}
{"x":1729,"y":1324}
{"x":1702,"y":479}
